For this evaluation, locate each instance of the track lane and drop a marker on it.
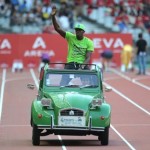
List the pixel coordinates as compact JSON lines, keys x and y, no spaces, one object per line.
{"x":134,"y":92}
{"x":15,"y":129}
{"x":136,"y":79}
{"x":132,"y":122}
{"x":8,"y":140}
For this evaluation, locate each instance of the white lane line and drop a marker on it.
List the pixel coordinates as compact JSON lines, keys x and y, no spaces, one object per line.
{"x":131,"y":147}
{"x":120,"y":74}
{"x":37,"y":85}
{"x":141,"y":78}
{"x":140,"y":84}
{"x":60,"y":139}
{"x":2,"y":91}
{"x":128,"y":99}
{"x":34,"y":78}
{"x":129,"y":79}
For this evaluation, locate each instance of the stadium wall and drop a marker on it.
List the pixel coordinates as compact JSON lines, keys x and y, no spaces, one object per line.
{"x":28,"y":48}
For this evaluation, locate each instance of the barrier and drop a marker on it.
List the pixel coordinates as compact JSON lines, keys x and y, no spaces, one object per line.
{"x":29,"y":48}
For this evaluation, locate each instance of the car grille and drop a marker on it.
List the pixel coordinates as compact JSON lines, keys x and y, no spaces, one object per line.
{"x":71,"y":112}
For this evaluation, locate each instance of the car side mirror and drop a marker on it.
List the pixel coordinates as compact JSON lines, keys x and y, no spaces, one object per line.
{"x":107,"y":89}
{"x":30,"y":86}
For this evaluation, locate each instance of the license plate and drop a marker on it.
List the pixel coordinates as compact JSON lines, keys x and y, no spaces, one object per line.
{"x":71,"y":121}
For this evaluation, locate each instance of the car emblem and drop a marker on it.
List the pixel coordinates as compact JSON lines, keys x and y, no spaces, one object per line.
{"x":71,"y":113}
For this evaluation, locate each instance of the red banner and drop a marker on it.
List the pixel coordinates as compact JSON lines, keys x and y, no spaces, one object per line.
{"x":28,"y":48}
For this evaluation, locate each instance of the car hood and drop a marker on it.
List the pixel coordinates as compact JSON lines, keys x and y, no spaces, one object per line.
{"x":72,"y":100}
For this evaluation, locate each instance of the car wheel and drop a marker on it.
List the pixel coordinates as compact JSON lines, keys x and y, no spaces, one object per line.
{"x":31,"y":122}
{"x":104,"y":137}
{"x":35,"y":136}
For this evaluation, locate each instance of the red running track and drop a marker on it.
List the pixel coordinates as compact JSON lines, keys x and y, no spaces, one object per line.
{"x":130,"y":124}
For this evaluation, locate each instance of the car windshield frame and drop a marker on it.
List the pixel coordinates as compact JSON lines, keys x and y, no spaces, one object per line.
{"x":72,"y":79}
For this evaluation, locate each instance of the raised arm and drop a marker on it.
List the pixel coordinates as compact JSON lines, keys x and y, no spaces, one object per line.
{"x":55,"y":24}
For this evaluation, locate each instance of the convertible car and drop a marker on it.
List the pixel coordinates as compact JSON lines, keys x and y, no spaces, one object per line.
{"x":70,"y":102}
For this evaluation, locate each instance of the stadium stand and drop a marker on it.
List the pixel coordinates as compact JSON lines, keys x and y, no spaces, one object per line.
{"x":33,"y":16}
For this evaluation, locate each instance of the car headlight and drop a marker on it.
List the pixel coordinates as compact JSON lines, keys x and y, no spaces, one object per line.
{"x":45,"y":102}
{"x":96,"y":102}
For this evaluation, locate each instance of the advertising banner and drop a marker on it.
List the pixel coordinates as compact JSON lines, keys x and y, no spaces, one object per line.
{"x":28,"y":48}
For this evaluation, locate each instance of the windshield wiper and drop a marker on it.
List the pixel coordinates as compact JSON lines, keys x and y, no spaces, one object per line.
{"x":69,"y":86}
{"x":88,"y":86}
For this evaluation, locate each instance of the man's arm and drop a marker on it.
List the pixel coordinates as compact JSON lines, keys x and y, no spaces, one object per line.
{"x":89,"y":51}
{"x":87,"y":58}
{"x":55,"y":24}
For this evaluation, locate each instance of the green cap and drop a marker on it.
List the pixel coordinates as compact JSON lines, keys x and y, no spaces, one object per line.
{"x":79,"y":26}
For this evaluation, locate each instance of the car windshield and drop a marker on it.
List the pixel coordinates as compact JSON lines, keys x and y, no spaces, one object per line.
{"x":71,"y":80}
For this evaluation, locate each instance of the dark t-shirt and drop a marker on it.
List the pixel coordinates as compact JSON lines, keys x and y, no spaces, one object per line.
{"x":107,"y":54}
{"x":141,"y":45}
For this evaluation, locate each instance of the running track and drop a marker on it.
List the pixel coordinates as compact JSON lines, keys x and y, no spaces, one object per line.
{"x":130,"y":124}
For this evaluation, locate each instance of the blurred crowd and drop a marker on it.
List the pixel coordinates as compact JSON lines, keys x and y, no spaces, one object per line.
{"x":121,"y":15}
{"x":124,"y":13}
{"x":25,"y":12}
{"x":15,"y":13}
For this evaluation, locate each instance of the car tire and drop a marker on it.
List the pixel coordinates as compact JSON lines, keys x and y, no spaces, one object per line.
{"x":35,"y":136}
{"x":31,"y":122}
{"x":104,"y":137}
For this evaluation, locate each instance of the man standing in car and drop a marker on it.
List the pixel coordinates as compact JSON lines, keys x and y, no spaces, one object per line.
{"x":80,"y":48}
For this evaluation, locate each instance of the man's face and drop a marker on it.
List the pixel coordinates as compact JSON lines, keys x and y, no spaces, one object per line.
{"x":79,"y":33}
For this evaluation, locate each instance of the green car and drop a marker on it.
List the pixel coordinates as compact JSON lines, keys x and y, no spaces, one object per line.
{"x":70,"y":102}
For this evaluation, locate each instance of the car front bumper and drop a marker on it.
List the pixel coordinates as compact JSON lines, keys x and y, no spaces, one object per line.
{"x":72,"y":130}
